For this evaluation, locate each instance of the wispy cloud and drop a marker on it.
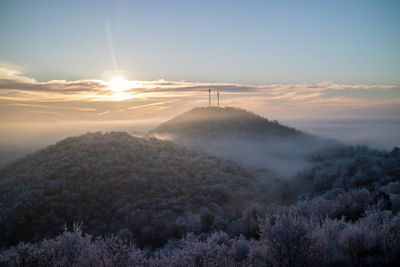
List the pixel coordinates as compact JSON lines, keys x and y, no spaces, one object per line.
{"x":28,"y":105}
{"x":152,"y":104}
{"x":104,"y":113}
{"x":67,"y":99}
{"x":86,"y":109}
{"x":44,"y":112}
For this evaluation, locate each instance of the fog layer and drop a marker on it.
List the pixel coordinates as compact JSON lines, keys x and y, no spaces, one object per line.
{"x":18,"y":139}
{"x":367,"y":132}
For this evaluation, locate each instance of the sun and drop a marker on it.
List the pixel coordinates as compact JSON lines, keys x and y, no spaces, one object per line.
{"x":120,"y":84}
{"x":121,"y":88}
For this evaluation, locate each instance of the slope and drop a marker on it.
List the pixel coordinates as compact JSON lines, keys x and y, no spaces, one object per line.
{"x":114,"y":183}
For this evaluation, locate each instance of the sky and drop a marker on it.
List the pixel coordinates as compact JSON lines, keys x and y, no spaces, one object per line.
{"x":253,"y":42}
{"x":93,"y":62}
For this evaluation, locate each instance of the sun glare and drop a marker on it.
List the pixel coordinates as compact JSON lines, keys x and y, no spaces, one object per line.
{"x":119,"y":84}
{"x":120,"y":88}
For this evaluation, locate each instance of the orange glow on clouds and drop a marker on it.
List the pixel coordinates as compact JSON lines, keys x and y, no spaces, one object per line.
{"x":121,"y":99}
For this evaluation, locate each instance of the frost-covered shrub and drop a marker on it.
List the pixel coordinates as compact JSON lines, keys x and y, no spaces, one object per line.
{"x":109,"y":182}
{"x":74,"y":249}
{"x":287,"y":238}
{"x":353,"y":167}
{"x":352,"y":204}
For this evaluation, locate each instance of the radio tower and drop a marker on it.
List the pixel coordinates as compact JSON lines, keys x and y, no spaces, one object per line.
{"x":209,"y":97}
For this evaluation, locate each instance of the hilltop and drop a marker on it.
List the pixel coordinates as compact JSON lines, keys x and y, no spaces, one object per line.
{"x":216,"y":121}
{"x":264,"y":147}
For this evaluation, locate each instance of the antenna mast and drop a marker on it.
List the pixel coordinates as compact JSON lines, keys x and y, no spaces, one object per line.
{"x":209,"y":97}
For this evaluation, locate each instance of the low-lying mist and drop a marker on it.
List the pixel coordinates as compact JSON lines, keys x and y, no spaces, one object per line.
{"x":18,"y":139}
{"x":276,"y":162}
{"x":283,"y":156}
{"x":282,"y":159}
{"x":367,"y":132}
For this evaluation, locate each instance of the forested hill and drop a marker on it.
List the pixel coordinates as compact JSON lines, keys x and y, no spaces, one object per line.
{"x":255,"y":143}
{"x":114,"y":183}
{"x":216,"y":121}
{"x":345,"y":211}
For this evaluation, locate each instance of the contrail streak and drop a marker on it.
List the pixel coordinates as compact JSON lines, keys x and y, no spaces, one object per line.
{"x":111,"y":46}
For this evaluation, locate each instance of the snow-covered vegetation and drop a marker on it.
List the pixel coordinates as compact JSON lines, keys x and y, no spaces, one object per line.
{"x":231,"y":189}
{"x":288,"y":236}
{"x":114,"y":182}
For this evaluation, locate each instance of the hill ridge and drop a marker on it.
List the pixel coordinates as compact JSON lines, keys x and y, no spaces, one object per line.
{"x":203,"y":121}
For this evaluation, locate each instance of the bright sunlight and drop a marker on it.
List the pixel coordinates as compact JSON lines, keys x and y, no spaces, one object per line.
{"x":119,"y":87}
{"x":120,"y":84}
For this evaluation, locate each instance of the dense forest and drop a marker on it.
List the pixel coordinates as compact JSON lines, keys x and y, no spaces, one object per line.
{"x":228,"y":188}
{"x":114,"y":182}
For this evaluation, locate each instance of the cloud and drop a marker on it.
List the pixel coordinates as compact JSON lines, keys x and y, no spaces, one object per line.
{"x":58,"y":86}
{"x":89,"y":97}
{"x":151,"y":105}
{"x":44,"y":112}
{"x":11,"y":74}
{"x":86,"y":109}
{"x":331,"y":85}
{"x":28,"y":105}
{"x":13,"y":81}
{"x":14,"y":86}
{"x":104,"y":113}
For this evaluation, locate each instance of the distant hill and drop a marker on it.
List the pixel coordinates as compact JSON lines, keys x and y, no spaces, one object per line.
{"x":254,"y":142}
{"x":115,"y":182}
{"x":216,"y":121}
